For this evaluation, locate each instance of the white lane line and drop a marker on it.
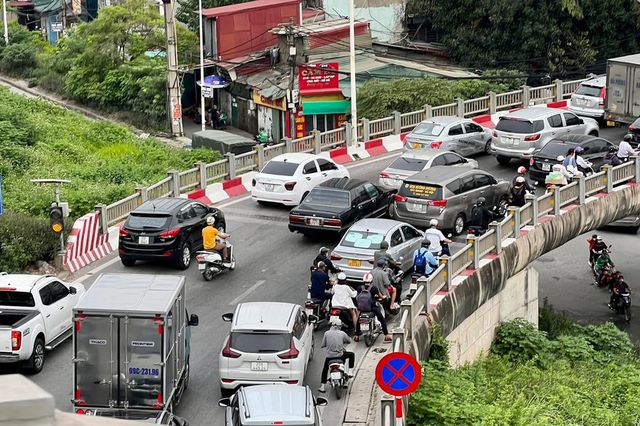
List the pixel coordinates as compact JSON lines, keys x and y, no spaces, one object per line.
{"x":247,"y":292}
{"x":98,"y":269}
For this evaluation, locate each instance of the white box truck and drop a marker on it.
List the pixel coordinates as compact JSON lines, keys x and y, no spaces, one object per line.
{"x":623,"y":89}
{"x":131,"y":344}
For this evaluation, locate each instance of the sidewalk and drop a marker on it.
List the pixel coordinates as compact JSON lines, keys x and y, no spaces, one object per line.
{"x":189,"y":128}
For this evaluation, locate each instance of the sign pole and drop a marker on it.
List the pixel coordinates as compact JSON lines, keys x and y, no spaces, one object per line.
{"x":202,"y":113}
{"x":399,"y":409}
{"x":5,"y":23}
{"x":352,"y":71}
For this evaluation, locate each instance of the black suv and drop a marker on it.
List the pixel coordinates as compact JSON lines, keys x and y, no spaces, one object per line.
{"x":166,"y":228}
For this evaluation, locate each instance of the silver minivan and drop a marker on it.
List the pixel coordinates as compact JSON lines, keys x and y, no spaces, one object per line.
{"x":520,"y":133}
{"x":448,"y":195}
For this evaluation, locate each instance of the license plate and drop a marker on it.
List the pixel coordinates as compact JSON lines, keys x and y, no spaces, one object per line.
{"x":202,"y":266}
{"x":364,"y":327}
{"x":269,"y":187}
{"x":314,"y":222}
{"x":507,"y":141}
{"x":336,"y":375}
{"x":354,"y":262}
{"x":259,"y":366}
{"x":416,"y":145}
{"x":546,"y":167}
{"x":143,"y":240}
{"x":415,"y":207}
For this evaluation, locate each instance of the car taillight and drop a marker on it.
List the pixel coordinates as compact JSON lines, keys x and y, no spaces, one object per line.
{"x":439,"y":203}
{"x":172,"y":233}
{"x":384,"y":174}
{"x":123,"y":232}
{"x":399,"y":198}
{"x":289,"y":186}
{"x":632,"y":127}
{"x":371,"y":261}
{"x":336,"y":257}
{"x":603,"y":94}
{"x":291,"y":353}
{"x":294,"y":218}
{"x":332,"y":222}
{"x":531,"y":162}
{"x":532,"y":138}
{"x":227,"y":352}
{"x":335,"y":312}
{"x":79,"y":411}
{"x":436,"y":144}
{"x":16,"y":340}
{"x":253,"y":182}
{"x":495,"y":134}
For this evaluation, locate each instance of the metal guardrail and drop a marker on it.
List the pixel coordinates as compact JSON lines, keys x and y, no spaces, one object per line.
{"x":576,"y":192}
{"x":205,"y":174}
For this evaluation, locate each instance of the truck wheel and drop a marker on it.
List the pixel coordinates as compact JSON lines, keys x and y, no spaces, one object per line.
{"x":502,"y":160}
{"x":36,"y":361}
{"x":127,"y":261}
{"x":184,"y":256}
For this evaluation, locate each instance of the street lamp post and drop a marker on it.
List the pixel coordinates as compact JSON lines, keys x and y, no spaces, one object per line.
{"x":352,"y":69}
{"x":5,"y":23}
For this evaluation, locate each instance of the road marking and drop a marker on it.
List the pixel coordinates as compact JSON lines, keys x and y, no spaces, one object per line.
{"x":98,"y":269}
{"x":246,"y":293}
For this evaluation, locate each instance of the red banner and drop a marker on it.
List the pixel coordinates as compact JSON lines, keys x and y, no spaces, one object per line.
{"x":318,"y":78}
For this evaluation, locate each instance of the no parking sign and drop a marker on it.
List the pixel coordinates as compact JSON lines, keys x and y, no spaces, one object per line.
{"x":398,"y":374}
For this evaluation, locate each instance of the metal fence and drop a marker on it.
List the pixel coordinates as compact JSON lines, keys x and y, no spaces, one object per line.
{"x":204,"y":174}
{"x":492,"y":241}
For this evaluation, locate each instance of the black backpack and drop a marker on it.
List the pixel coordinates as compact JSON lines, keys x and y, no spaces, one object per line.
{"x":364,"y":300}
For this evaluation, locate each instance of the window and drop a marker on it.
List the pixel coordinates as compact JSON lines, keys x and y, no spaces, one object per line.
{"x":58,"y":291}
{"x":280,"y":168}
{"x":300,"y":324}
{"x":46,"y":295}
{"x":555,"y":121}
{"x":396,"y":238}
{"x":326,"y":165}
{"x":456,"y":130}
{"x":482,"y":180}
{"x":428,"y":128}
{"x":594,"y":91}
{"x":571,"y":119}
{"x":309,"y":168}
{"x":600,"y":145}
{"x":556,"y":147}
{"x":519,"y":125}
{"x":467,"y":184}
{"x":17,"y":298}
{"x":140,"y":221}
{"x":362,"y":239}
{"x":455,"y":186}
{"x":472,"y":128}
{"x":200,"y":210}
{"x":408,"y":164}
{"x":410,"y":233}
{"x":452,"y":159}
{"x":187,"y":213}
{"x":327,"y":197}
{"x":439,"y":161}
{"x":264,"y":343}
{"x":371,"y":190}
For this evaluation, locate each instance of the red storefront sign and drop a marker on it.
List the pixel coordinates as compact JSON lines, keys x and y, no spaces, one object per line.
{"x":318,"y":79}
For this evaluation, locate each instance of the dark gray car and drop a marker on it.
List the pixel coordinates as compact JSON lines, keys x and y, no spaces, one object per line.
{"x":460,"y":135}
{"x":448,"y":195}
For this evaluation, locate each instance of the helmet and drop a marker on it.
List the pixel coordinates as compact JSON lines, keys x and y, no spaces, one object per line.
{"x":381,"y":262}
{"x":560,"y":158}
{"x":321,"y":265}
{"x":520,"y":180}
{"x":628,"y":137}
{"x":384,"y":245}
{"x":433,"y":222}
{"x":425,"y":243}
{"x":342,"y":276}
{"x":522,"y":170}
{"x":323,"y":250}
{"x":211,"y":220}
{"x":335,"y":321}
{"x":599,"y":238}
{"x":367,"y":278}
{"x":481,"y":201}
{"x":579,"y":149}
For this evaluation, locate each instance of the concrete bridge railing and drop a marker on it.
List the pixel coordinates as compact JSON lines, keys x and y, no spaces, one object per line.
{"x":465,"y":281}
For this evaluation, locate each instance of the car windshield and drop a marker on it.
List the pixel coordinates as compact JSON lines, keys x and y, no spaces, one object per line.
{"x":142,"y":221}
{"x":408,"y":164}
{"x":362,"y":239}
{"x":421,"y":190}
{"x":585,"y":90}
{"x":516,"y":125}
{"x":281,"y":168}
{"x":17,"y":298}
{"x":327,"y":197}
{"x":428,"y":129}
{"x":553,"y":149}
{"x":260,"y":342}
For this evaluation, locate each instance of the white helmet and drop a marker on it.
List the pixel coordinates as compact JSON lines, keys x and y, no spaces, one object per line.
{"x":367,"y":278}
{"x":335,"y":321}
{"x":211,"y":220}
{"x":433,"y":222}
{"x":342,"y":276}
{"x":519,"y":179}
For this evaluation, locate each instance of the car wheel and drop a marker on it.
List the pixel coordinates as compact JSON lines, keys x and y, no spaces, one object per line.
{"x":36,"y":361}
{"x":593,"y":133}
{"x":459,"y":224}
{"x":263,"y":203}
{"x":127,"y":261}
{"x":184,"y":256}
{"x":304,"y":196}
{"x":221,"y":228}
{"x":502,"y":160}
{"x":487,"y":147}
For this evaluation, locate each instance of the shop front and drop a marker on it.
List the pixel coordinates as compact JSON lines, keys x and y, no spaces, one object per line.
{"x":271,"y":115}
{"x":324,"y":107}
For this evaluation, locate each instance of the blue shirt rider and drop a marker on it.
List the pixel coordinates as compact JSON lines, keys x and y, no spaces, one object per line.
{"x":429,"y":264}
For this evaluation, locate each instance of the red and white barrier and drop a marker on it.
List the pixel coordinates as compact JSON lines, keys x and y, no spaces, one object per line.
{"x":86,"y":244}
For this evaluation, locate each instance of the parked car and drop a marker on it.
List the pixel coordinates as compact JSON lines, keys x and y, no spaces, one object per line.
{"x":412,"y":162}
{"x":269,"y":342}
{"x":354,"y":254}
{"x":542,"y":162}
{"x":455,"y":134}
{"x":166,"y":229}
{"x":288,"y":178}
{"x":634,"y":131}
{"x":35,"y":316}
{"x":630,"y":223}
{"x":448,"y":195}
{"x":589,"y":98}
{"x":142,"y":416}
{"x":520,"y":133}
{"x":273,"y":405}
{"x":336,"y":204}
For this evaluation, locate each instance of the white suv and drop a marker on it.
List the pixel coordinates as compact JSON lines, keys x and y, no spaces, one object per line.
{"x":588,"y":99}
{"x":269,"y":342}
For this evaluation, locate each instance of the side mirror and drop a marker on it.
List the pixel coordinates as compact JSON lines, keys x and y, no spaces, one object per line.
{"x":580,"y":120}
{"x":321,"y":402}
{"x":224,"y":402}
{"x":227,"y":317}
{"x":72,"y":290}
{"x":312,"y":319}
{"x":194,"y":320}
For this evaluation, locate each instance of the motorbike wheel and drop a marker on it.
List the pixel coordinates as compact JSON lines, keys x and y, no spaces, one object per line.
{"x":627,"y":313}
{"x":233,"y":263}
{"x":207,"y":274}
{"x":369,"y":339}
{"x":337,"y":388}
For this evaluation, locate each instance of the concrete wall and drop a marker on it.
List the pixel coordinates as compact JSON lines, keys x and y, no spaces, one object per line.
{"x":518,"y":299}
{"x":384,"y":16}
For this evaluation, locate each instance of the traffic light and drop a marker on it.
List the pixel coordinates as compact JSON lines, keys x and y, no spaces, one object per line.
{"x":56,"y":218}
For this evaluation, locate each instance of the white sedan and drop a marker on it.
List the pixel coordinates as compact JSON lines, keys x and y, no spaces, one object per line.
{"x":288,"y":178}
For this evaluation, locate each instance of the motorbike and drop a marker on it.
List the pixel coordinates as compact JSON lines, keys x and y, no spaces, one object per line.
{"x":338,"y":377}
{"x":210,"y":263}
{"x":345,"y":317}
{"x":318,"y":309}
{"x":623,"y":306}
{"x":223,"y":121}
{"x":370,"y":326}
{"x":596,"y":272}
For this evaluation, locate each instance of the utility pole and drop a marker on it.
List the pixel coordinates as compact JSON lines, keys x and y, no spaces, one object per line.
{"x":292,"y":74}
{"x":5,"y":23}
{"x":352,"y":69}
{"x":174,"y":105}
{"x":202,"y":114}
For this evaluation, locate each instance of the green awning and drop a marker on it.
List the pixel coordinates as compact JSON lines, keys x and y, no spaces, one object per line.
{"x":326,"y":107}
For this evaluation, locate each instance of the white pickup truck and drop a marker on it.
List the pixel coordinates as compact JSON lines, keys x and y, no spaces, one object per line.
{"x":35,"y":314}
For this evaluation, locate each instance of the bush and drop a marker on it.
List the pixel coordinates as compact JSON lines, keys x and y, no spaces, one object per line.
{"x":519,"y":341}
{"x":18,"y":60}
{"x":553,"y":323}
{"x":25,"y":239}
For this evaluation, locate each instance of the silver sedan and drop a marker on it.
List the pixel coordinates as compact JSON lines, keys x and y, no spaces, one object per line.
{"x":460,"y":135}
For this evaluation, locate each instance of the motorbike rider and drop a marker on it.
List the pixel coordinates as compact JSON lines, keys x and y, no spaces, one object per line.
{"x":343,"y":295}
{"x":620,"y":287}
{"x":596,"y":247}
{"x":320,"y":283}
{"x":625,"y":150}
{"x":213,"y":239}
{"x":522,"y":172}
{"x":569,"y":161}
{"x":436,"y":238}
{"x":424,"y":262}
{"x":383,"y":284}
{"x":558,"y":176}
{"x":611,"y":157}
{"x":323,"y":256}
{"x":335,"y":340}
{"x":366,"y":299}
{"x":383,"y":254}
{"x":584,"y":166}
{"x":603,"y":261}
{"x":518,"y":192}
{"x":481,"y":216}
